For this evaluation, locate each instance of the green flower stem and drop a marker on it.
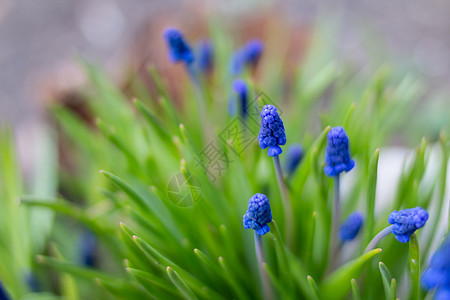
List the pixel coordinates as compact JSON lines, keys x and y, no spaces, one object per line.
{"x":334,"y":244}
{"x":374,"y":242}
{"x":267,"y":289}
{"x":287,"y":207}
{"x":414,"y":267}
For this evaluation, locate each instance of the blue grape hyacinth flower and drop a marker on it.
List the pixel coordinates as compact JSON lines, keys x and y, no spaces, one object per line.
{"x":350,"y":227}
{"x":272,"y":133}
{"x":258,"y":214}
{"x":240,"y":95}
{"x":248,"y":55}
{"x":179,"y":49}
{"x":406,"y":222}
{"x":337,"y":155}
{"x":437,"y":276}
{"x":294,"y":156}
{"x":206,"y":57}
{"x":3,"y":294}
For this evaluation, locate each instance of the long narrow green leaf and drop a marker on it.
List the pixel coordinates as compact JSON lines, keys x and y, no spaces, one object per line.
{"x":393,"y":289}
{"x":371,"y":194}
{"x":314,"y":288}
{"x":74,"y":269}
{"x":338,"y":283}
{"x":180,"y":284}
{"x":192,"y":281}
{"x":355,"y":290}
{"x":386,"y":278}
{"x":232,"y":281}
{"x":414,"y":267}
{"x":153,"y":283}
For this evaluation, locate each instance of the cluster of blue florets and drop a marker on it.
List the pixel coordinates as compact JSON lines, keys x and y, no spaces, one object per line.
{"x":179,"y":49}
{"x":293,"y":158}
{"x":437,"y":276}
{"x":406,"y":222}
{"x":337,"y":155}
{"x":350,"y":227}
{"x":258,"y":214}
{"x":206,"y":57}
{"x":248,"y":55}
{"x":240,"y":95}
{"x":271,"y":133}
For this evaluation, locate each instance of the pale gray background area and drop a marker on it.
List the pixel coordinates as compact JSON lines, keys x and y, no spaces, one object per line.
{"x":36,"y":35}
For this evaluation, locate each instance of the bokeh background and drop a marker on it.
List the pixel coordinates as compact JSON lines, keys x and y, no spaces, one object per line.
{"x":40,"y":38}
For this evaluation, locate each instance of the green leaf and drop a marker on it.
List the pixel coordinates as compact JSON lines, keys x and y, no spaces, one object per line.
{"x":180,"y":284}
{"x":314,"y":288}
{"x":371,"y":194}
{"x":355,"y":290}
{"x":338,"y":283}
{"x":387,"y":278}
{"x":155,"y":285}
{"x":414,"y":267}
{"x":74,"y":269}
{"x":393,"y":289}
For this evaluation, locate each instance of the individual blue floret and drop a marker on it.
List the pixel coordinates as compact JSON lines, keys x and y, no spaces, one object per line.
{"x":206,"y":57}
{"x":272,"y":133}
{"x":337,"y":155}
{"x":350,"y":227}
{"x":258,"y":214}
{"x":178,"y":49}
{"x":406,"y":222}
{"x":248,"y":55}
{"x":294,"y":156}
{"x":437,"y":276}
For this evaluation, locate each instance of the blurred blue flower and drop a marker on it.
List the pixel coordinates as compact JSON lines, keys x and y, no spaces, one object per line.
{"x":271,"y":133}
{"x":206,"y":57}
{"x":406,"y":222}
{"x":240,"y":95}
{"x":437,"y":276}
{"x":258,"y":214}
{"x":179,"y":50}
{"x":3,"y":294}
{"x":87,"y":246}
{"x":337,"y":155}
{"x":350,"y":227}
{"x":294,"y":156}
{"x":248,"y":55}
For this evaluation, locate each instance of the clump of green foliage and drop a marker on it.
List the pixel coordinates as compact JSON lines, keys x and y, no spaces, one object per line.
{"x":150,"y":245}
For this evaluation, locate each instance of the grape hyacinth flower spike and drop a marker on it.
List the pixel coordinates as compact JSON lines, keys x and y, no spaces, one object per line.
{"x":258,"y":215}
{"x":272,"y":133}
{"x":206,"y":57}
{"x":337,"y":155}
{"x":337,"y":160}
{"x":404,"y":223}
{"x":240,"y":96}
{"x":350,"y":227}
{"x":3,"y":294}
{"x":271,"y":136}
{"x":178,"y":49}
{"x":248,"y":55}
{"x":294,"y":156}
{"x":437,"y":276}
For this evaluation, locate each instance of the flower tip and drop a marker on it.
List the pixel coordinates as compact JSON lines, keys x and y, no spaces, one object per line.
{"x":101,"y":171}
{"x":274,"y":151}
{"x":135,"y":237}
{"x":168,"y":269}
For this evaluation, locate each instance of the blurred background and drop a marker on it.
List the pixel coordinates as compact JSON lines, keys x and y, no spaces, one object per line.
{"x":40,"y":39}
